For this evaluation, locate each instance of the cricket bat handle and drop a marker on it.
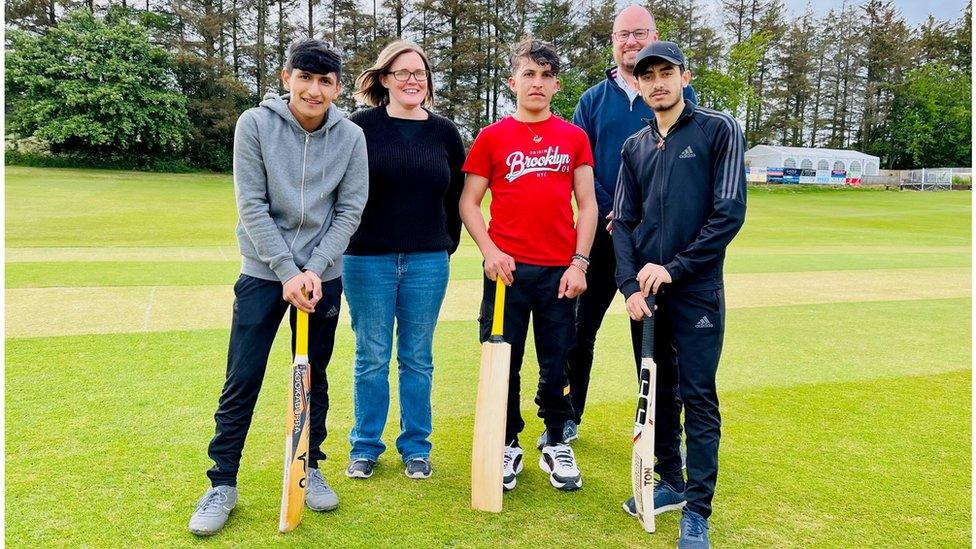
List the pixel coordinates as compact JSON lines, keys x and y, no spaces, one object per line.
{"x":498,"y":316}
{"x":647,"y":337}
{"x":301,"y":332}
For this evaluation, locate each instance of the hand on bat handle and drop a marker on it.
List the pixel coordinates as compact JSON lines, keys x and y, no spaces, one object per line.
{"x":296,"y":289}
{"x":640,"y":307}
{"x":651,"y":276}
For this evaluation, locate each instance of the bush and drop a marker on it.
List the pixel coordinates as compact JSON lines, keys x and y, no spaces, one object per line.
{"x":13,"y":157}
{"x":95,"y":86}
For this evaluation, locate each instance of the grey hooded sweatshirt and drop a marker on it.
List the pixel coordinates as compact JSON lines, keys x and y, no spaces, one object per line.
{"x":299,"y":195}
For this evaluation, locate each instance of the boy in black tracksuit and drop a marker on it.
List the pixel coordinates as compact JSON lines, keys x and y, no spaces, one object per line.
{"x":680,"y":200}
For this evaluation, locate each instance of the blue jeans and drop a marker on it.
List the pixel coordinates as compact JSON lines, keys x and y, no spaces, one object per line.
{"x":407,"y":287}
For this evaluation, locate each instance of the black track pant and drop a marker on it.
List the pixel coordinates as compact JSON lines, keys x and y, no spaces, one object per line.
{"x":258,"y":310}
{"x":535,"y":291}
{"x":688,"y":335}
{"x":601,"y":288}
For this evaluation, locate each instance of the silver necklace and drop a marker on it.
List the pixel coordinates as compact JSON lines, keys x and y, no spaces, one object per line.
{"x":536,"y":137}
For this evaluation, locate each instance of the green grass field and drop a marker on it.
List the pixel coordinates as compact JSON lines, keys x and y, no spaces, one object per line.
{"x":845,"y":383}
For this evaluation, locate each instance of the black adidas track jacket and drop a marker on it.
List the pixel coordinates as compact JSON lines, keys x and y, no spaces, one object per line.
{"x":680,"y":200}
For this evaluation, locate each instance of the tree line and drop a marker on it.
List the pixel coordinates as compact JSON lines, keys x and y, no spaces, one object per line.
{"x":166,"y":79}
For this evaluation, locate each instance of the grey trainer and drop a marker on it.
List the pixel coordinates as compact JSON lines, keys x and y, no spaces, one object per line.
{"x":212,"y":510}
{"x":318,"y":495}
{"x":418,"y":468}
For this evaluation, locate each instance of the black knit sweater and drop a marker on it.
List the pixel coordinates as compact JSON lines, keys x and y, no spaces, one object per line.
{"x":414,"y":185}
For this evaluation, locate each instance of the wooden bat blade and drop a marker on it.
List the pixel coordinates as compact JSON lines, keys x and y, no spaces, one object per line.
{"x":488,"y":444}
{"x":642,"y":458}
{"x":296,"y":447}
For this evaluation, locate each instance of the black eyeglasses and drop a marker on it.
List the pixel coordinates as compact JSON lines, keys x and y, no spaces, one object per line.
{"x":403,"y":75}
{"x":638,"y":34}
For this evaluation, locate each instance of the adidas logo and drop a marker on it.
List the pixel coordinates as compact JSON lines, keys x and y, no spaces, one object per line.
{"x":332,"y":312}
{"x":687,"y":153}
{"x":704,"y":323}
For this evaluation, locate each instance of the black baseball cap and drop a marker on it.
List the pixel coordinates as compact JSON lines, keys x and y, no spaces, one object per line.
{"x":668,"y":51}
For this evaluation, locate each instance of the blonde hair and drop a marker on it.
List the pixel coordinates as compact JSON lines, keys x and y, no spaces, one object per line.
{"x":369,"y":88}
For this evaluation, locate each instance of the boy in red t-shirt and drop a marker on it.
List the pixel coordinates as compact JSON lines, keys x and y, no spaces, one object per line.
{"x":534,"y":163}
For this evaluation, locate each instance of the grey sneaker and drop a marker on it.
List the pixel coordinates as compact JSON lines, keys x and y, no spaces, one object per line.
{"x":570,"y":433}
{"x":418,"y":468}
{"x":212,"y":510}
{"x":360,"y":468}
{"x":318,"y":495}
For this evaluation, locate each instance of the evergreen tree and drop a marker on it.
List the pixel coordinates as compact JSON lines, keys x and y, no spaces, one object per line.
{"x":887,"y":54}
{"x":792,"y":85}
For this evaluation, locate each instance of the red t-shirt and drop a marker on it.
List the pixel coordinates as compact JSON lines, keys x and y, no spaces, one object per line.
{"x":529,"y":167}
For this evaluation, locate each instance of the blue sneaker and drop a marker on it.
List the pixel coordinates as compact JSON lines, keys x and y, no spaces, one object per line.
{"x":666,"y":499}
{"x":570,"y":433}
{"x":418,"y":468}
{"x":694,"y":531}
{"x":360,"y":468}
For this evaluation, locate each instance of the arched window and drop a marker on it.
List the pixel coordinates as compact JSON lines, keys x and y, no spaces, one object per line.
{"x":806,"y":164}
{"x":823,"y":165}
{"x":855,"y":167}
{"x":871,"y":167}
{"x":789,"y":163}
{"x":839,"y":165}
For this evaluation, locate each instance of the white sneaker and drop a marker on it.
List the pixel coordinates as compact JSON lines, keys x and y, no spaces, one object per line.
{"x":513,"y":466}
{"x":560,"y":463}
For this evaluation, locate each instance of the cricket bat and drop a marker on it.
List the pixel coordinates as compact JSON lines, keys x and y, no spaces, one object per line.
{"x":491,"y":407}
{"x":296,"y":435}
{"x":642,"y":458}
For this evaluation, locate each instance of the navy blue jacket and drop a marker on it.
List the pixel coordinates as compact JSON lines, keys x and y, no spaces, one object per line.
{"x":680,"y":200}
{"x":608,"y":117}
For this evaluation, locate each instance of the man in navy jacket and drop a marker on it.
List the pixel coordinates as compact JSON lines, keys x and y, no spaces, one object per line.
{"x":679,"y":202}
{"x":609,"y":113}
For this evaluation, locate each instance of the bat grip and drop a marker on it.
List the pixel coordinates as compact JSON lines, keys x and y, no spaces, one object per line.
{"x":301,"y":332}
{"x":498,"y":318}
{"x":647,"y":337}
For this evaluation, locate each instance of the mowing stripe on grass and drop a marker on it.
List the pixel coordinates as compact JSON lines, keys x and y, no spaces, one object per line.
{"x":771,"y":346}
{"x":27,"y":274}
{"x":123,"y":253}
{"x":230,"y":252}
{"x":91,"y":310}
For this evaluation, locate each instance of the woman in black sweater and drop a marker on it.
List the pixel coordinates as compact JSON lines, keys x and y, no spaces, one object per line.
{"x":396,"y":266}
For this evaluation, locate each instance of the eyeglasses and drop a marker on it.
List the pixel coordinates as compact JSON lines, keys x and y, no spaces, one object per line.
{"x":638,"y":34}
{"x":403,"y":75}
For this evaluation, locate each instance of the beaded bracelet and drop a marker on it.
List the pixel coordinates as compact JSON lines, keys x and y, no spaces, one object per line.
{"x":582,"y":258}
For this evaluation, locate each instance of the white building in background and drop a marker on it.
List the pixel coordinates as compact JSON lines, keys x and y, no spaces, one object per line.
{"x":855,"y":164}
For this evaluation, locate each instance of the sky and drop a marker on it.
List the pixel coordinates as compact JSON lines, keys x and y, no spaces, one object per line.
{"x":914,"y":11}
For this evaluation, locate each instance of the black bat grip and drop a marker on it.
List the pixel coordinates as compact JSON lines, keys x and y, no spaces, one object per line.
{"x":647,"y":339}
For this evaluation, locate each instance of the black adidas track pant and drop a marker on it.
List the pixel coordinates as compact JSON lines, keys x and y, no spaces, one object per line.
{"x":258,"y":310}
{"x":688,"y":335}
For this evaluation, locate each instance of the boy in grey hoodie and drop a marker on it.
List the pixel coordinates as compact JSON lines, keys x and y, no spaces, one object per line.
{"x":301,"y":179}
